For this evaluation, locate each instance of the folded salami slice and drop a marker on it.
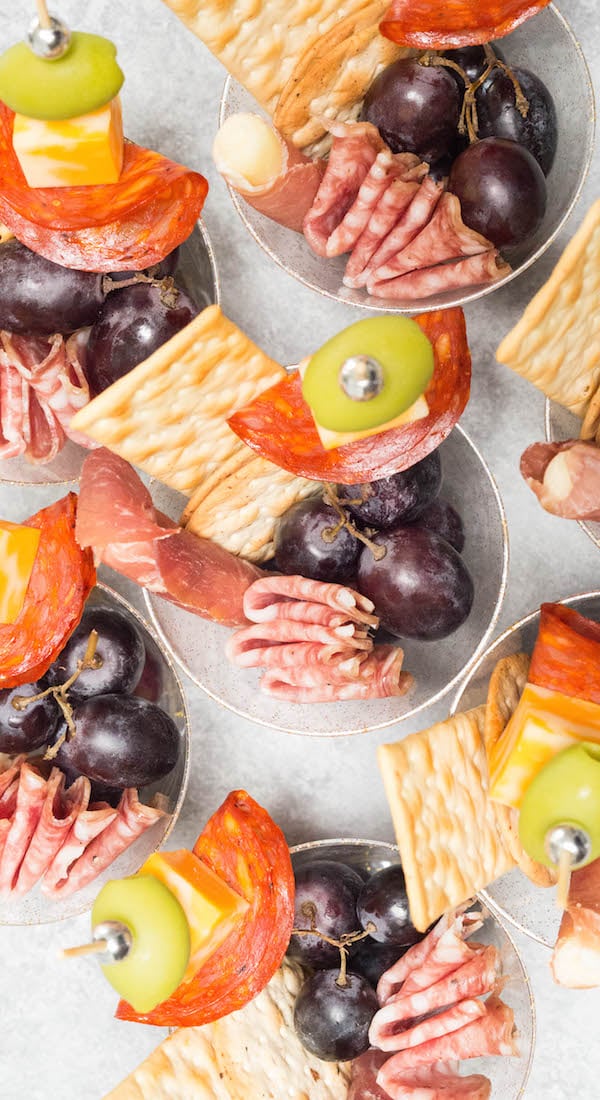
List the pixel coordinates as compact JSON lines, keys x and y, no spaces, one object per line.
{"x":324,"y":689}
{"x":8,"y":776}
{"x":355,"y":147}
{"x":565,"y":477}
{"x":576,"y":958}
{"x":87,"y":826}
{"x":363,"y":1084}
{"x":14,"y":410}
{"x":31,"y":795}
{"x":263,"y":600}
{"x":566,"y":656}
{"x":131,"y":820}
{"x":386,"y":167}
{"x":415,"y":218}
{"x":487,"y":267}
{"x":432,"y":1027}
{"x":59,"y":812}
{"x":437,"y":1082}
{"x":8,"y":805}
{"x":458,"y":923}
{"x":444,"y":237}
{"x":395,"y":200}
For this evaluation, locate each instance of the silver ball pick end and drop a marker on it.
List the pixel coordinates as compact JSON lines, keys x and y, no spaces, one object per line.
{"x":569,"y":839}
{"x":51,"y":42}
{"x":361,"y":377}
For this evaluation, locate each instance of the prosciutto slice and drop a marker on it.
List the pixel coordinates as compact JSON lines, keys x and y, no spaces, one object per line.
{"x":565,"y":477}
{"x":30,"y":798}
{"x":354,"y":149}
{"x":88,"y":824}
{"x":130,"y":821}
{"x":59,"y":812}
{"x":576,"y":958}
{"x":445,"y":237}
{"x":395,"y":200}
{"x":116,"y":517}
{"x":438,"y":1082}
{"x":458,"y":924}
{"x":487,"y":267}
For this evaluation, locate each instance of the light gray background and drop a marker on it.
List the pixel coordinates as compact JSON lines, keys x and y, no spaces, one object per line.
{"x":57,"y":1036}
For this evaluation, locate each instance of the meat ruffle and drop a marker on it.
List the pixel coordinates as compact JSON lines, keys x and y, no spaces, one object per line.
{"x":313,"y":639}
{"x":395,"y":221}
{"x":565,"y":477}
{"x":576,"y":959}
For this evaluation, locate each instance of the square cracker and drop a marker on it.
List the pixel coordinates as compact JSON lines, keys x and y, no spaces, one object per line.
{"x":556,"y":343}
{"x":447,"y":827}
{"x":260,"y":41}
{"x":168,"y":416}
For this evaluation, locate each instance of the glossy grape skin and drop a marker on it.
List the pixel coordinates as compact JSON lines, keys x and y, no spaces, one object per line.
{"x":99,"y":792}
{"x":384,"y":902}
{"x":132,"y":324}
{"x":333,"y":1021}
{"x":502,"y":191}
{"x":396,"y":499}
{"x":40,"y":297}
{"x":472,"y":60}
{"x":120,"y":647}
{"x":441,"y":518}
{"x":121,"y":741}
{"x":421,"y":588}
{"x":499,"y":117}
{"x":373,"y":959}
{"x":332,"y":888}
{"x":300,"y":547}
{"x":415,"y":108}
{"x":28,"y":729}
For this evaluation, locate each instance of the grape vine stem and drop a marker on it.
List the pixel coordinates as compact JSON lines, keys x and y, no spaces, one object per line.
{"x":308,"y":910}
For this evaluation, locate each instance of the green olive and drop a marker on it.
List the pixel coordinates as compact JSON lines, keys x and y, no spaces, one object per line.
{"x":84,"y":79}
{"x":565,"y":792}
{"x":405,"y":357}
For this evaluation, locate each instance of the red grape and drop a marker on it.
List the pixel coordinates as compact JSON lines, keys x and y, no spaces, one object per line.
{"x":303,"y":544}
{"x":499,"y":117}
{"x":415,"y":108}
{"x":396,"y":499}
{"x":120,"y":648}
{"x":333,"y":1021}
{"x":326,"y":891}
{"x":30,"y":728}
{"x":441,"y":517}
{"x":383,"y":901}
{"x":472,"y":60}
{"x":502,"y":190}
{"x":40,"y":297}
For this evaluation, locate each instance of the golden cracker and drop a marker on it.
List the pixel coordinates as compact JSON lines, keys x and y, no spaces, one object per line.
{"x":556,"y":343}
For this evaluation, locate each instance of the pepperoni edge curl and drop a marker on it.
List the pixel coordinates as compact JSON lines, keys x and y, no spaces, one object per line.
{"x":566,"y":657}
{"x":454,"y":23}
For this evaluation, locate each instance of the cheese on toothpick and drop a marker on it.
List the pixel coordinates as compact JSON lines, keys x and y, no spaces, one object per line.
{"x":69,"y":152}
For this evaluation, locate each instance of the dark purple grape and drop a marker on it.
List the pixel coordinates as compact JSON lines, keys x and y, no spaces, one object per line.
{"x":396,"y":499}
{"x":333,"y":1021}
{"x":373,"y":959}
{"x":150,"y":684}
{"x":99,"y":792}
{"x":415,"y":108}
{"x":421,"y":588}
{"x":121,"y":741}
{"x":326,"y":893}
{"x":472,"y":60}
{"x":498,"y":115}
{"x":383,"y":901}
{"x":132,"y":324}
{"x":120,"y":649}
{"x":502,"y":191}
{"x":40,"y":297}
{"x":30,"y":728}
{"x":303,"y":543}
{"x":441,"y":518}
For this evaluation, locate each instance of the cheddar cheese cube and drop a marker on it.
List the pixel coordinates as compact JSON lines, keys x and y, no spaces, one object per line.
{"x":18,"y":548}
{"x":70,"y":152}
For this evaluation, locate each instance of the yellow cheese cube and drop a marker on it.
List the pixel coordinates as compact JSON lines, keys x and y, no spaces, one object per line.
{"x":212,"y":908}
{"x":330,"y":439}
{"x":544,"y":723}
{"x":73,"y":151}
{"x":18,"y":548}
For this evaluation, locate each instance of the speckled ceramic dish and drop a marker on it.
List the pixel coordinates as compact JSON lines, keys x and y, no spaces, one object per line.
{"x":197,"y":274}
{"x":509,"y":1076}
{"x":560,"y":425}
{"x":532,"y":909}
{"x":545,"y":45}
{"x":199,"y":645}
{"x":161,"y":685}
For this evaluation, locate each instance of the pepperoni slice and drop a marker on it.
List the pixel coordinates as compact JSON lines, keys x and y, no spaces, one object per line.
{"x":566,"y":656}
{"x":245,"y":847}
{"x":130,"y":224}
{"x":279,"y":424}
{"x":427,"y":26}
{"x":62,"y":577}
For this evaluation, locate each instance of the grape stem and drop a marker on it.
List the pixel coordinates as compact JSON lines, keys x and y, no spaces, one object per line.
{"x":169,"y":293}
{"x":468,"y":122}
{"x":328,"y":534}
{"x":309,"y":911}
{"x":90,"y":659}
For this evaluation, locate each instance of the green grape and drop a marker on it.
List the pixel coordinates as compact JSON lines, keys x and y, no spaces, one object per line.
{"x":565,"y":792}
{"x":159,"y":955}
{"x":84,"y":79}
{"x":405,"y":356}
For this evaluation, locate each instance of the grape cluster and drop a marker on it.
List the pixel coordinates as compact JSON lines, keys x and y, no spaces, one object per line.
{"x":121,"y":739}
{"x":411,"y":566}
{"x":334,"y":1010}
{"x":418,"y":106}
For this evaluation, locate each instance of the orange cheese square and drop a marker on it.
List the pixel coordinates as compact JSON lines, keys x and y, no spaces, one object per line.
{"x":74,"y":151}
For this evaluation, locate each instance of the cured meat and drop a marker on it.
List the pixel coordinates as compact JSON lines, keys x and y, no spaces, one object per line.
{"x":322,"y":690}
{"x":62,"y":577}
{"x":386,"y":167}
{"x":433,"y":1027}
{"x":363,"y":1083}
{"x":415,"y":218}
{"x":458,"y":923}
{"x":8,"y":776}
{"x":438,"y":1082}
{"x":576,"y":957}
{"x":565,"y":477}
{"x":14,"y":411}
{"x":263,"y":599}
{"x":302,"y":657}
{"x":487,"y":267}
{"x":29,"y":802}
{"x":117,"y":518}
{"x":245,"y":847}
{"x":444,"y":237}
{"x":128,"y":225}
{"x":492,"y":1033}
{"x":566,"y":656}
{"x":252,"y":639}
{"x":395,"y":200}
{"x":130,"y":821}
{"x":279,"y":424}
{"x":355,"y":147}
{"x":59,"y":811}
{"x":88,"y":824}
{"x":427,"y":26}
